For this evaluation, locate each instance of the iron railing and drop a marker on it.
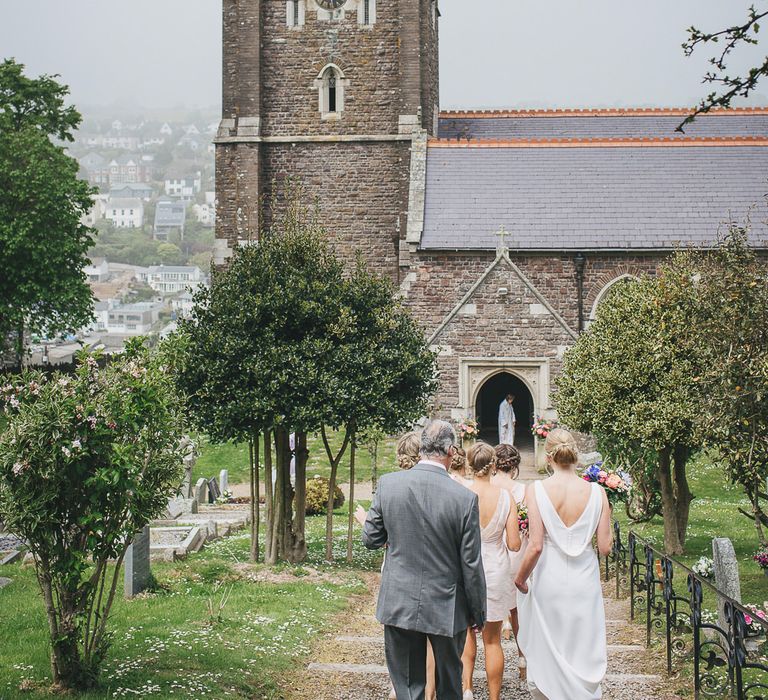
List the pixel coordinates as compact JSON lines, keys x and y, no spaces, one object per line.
{"x":723,"y":653}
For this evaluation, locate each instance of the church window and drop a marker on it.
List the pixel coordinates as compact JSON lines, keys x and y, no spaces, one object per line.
{"x":607,"y":291}
{"x":366,"y":13}
{"x":330,"y":85}
{"x":295,"y":12}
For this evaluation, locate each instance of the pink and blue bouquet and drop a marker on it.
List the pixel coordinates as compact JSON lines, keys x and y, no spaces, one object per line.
{"x":617,"y":484}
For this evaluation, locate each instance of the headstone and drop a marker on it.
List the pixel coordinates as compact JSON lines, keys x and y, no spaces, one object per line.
{"x":11,"y":557}
{"x":189,"y":452}
{"x":726,"y":574}
{"x":175,"y":507}
{"x":137,"y":572}
{"x":201,"y":491}
{"x":224,"y":480}
{"x":213,"y":490}
{"x":587,"y":459}
{"x":4,"y":582}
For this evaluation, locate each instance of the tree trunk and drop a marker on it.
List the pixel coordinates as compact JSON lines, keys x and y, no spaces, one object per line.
{"x":683,"y":495}
{"x":672,"y":543}
{"x":278,"y":504}
{"x":299,"y":543}
{"x":20,"y":346}
{"x":334,"y":461}
{"x":351,"y":505}
{"x":253,"y":452}
{"x":269,"y":499}
{"x":374,"y":466}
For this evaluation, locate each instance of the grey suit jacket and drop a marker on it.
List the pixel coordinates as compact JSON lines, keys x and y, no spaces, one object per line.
{"x":433,"y":578}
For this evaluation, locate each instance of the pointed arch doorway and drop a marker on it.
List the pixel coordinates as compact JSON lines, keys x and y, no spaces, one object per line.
{"x":489,"y":398}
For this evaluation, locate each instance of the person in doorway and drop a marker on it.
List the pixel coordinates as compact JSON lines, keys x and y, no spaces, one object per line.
{"x":507,"y":421}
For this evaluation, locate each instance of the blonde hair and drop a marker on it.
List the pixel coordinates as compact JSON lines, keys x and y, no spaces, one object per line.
{"x":508,"y":459}
{"x":408,"y":450}
{"x":481,"y":458}
{"x":459,"y":461}
{"x":561,"y":448}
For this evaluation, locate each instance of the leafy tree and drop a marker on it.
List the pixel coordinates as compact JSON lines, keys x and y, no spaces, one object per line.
{"x":86,"y":462}
{"x":43,"y":245}
{"x":383,"y":375}
{"x":729,"y":39}
{"x":630,"y":381}
{"x":729,"y":333}
{"x":255,"y":358}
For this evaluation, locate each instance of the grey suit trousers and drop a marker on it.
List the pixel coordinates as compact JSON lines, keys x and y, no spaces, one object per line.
{"x":406,"y":652}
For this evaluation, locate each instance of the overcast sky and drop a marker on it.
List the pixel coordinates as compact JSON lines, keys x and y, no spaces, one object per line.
{"x":163,"y":54}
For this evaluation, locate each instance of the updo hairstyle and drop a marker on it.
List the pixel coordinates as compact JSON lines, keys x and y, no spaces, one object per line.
{"x":459,"y":461}
{"x":481,"y":459}
{"x":561,"y":448}
{"x":508,"y":459}
{"x":408,"y":450}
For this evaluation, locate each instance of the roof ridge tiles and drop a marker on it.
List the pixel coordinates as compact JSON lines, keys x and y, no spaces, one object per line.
{"x":601,"y":111}
{"x":608,"y":141}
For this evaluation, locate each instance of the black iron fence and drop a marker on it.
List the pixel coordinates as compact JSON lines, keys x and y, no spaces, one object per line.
{"x":712,"y":641}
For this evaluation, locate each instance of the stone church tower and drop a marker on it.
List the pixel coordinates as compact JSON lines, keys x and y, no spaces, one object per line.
{"x":330,"y":93}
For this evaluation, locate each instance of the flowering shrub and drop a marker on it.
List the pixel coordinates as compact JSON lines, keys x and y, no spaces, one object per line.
{"x":542,"y":428}
{"x":522,"y":519}
{"x":704,"y":567}
{"x":761,"y":557}
{"x":86,"y":462}
{"x":317,"y":496}
{"x":468,"y":429}
{"x":751,"y":620}
{"x":617,"y":484}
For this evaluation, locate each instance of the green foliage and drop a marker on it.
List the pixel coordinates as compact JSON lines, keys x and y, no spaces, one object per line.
{"x":85,"y":462}
{"x":317,"y":496}
{"x":42,"y":242}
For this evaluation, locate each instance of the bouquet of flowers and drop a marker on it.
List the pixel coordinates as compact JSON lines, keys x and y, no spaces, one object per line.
{"x":705,"y":567}
{"x":617,"y":484}
{"x":542,"y":428}
{"x":469,"y":429}
{"x":761,"y":557}
{"x":522,"y":519}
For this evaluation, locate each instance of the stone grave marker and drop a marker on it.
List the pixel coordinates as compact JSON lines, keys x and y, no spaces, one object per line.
{"x":224,"y":480}
{"x":137,"y":571}
{"x":4,"y":581}
{"x":213,"y":490}
{"x":201,"y":491}
{"x":726,"y":574}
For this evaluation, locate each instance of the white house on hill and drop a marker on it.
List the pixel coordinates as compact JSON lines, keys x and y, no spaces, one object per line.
{"x":125,"y":213}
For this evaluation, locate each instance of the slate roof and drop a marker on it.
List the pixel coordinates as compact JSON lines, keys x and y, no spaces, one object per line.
{"x":170,"y":214}
{"x":595,"y":193}
{"x":598,"y":123}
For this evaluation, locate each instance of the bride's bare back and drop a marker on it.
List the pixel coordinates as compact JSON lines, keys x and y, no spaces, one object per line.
{"x":569,"y":495}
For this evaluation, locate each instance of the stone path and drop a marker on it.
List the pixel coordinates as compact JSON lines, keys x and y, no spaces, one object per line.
{"x":349,"y":663}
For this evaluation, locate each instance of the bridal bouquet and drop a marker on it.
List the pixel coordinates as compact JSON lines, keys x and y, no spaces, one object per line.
{"x":542,"y":428}
{"x":617,"y":484}
{"x":468,"y":429}
{"x":522,"y":519}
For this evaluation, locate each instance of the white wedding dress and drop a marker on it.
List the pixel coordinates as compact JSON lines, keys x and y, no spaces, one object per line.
{"x":562,"y":618}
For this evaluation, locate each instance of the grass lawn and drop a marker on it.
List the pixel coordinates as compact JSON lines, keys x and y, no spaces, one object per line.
{"x":713,"y":514}
{"x":234,"y":457}
{"x":167,"y":645}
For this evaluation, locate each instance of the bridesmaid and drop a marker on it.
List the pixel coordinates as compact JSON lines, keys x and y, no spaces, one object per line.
{"x":507,"y":471}
{"x":499,"y":532}
{"x":458,"y":469}
{"x":562,"y":617}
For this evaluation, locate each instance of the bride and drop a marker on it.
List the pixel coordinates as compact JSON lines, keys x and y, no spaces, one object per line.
{"x":560,"y":604}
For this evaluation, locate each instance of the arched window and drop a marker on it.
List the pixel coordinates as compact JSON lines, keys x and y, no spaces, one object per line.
{"x":330,"y":84}
{"x":606,"y":291}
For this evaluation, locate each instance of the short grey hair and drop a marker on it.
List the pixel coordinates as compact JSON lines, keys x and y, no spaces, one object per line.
{"x":437,"y":438}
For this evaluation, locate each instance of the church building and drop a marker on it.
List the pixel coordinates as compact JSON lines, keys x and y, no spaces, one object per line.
{"x":502,"y":229}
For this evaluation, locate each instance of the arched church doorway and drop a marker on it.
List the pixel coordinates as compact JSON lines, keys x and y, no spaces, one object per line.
{"x":489,"y":399}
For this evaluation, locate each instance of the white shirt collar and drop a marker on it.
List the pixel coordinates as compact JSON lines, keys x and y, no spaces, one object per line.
{"x":434,"y":464}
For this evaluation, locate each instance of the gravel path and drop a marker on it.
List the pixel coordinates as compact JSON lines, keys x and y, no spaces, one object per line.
{"x":348,"y":663}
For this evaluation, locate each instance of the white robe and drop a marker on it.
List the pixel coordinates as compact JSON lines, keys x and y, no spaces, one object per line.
{"x":506,"y":418}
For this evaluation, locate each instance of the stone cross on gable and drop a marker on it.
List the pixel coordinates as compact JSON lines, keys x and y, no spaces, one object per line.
{"x":501,"y":246}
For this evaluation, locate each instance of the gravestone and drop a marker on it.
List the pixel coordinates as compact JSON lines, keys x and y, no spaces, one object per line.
{"x":4,"y":581}
{"x":201,"y":491}
{"x":190,"y":454}
{"x":137,"y":572}
{"x":224,"y":480}
{"x":726,"y":574}
{"x":213,"y":490}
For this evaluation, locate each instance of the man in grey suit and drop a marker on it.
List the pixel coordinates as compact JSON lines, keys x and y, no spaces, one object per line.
{"x":432,"y":585}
